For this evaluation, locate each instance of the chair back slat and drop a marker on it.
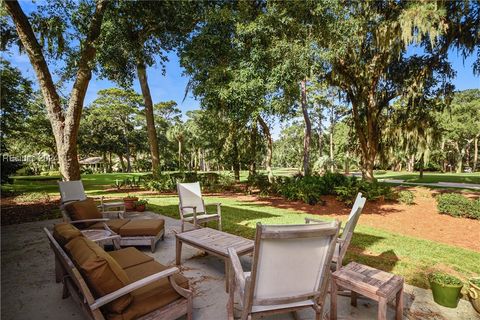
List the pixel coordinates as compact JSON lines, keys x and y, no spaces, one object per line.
{"x":354,"y":215}
{"x":292,"y":261}
{"x":190,"y":195}
{"x":71,"y":191}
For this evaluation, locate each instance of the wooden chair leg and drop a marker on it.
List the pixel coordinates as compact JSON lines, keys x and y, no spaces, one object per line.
{"x":382,"y":309}
{"x":220,"y":224}
{"x":353,"y":298}
{"x":333,"y":300}
{"x":178,"y":251}
{"x":183,"y":226}
{"x":153,"y":245}
{"x":189,"y":308}
{"x":399,"y":305}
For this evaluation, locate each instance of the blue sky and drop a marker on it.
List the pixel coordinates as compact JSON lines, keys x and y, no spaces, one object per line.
{"x":171,"y":86}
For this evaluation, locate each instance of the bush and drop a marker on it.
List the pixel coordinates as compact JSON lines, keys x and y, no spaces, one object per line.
{"x":457,"y":205}
{"x":370,"y":190}
{"x":210,"y":181}
{"x":260,"y":181}
{"x":406,"y":197}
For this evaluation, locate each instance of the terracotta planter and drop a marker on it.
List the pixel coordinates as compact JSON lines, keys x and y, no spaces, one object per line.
{"x":130,"y":203}
{"x":140,"y":208}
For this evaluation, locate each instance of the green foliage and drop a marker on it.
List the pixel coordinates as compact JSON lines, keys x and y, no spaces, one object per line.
{"x":32,"y":197}
{"x":260,"y":182}
{"x":142,"y":202}
{"x":370,"y":190}
{"x":444,"y":279}
{"x":210,"y":181}
{"x":406,"y":197}
{"x":457,"y":205}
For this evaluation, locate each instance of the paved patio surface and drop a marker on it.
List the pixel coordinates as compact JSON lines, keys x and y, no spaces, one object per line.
{"x":29,"y":291}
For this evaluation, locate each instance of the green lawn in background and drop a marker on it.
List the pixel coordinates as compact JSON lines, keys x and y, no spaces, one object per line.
{"x":93,"y":183}
{"x":407,"y":256}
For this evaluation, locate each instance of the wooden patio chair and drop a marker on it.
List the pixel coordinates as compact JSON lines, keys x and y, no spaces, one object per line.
{"x":74,"y":191}
{"x":344,"y":240}
{"x":290,"y":270}
{"x":146,"y":275}
{"x":192,"y":208}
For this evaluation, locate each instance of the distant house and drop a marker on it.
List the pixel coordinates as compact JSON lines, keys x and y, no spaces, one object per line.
{"x":96,"y":164}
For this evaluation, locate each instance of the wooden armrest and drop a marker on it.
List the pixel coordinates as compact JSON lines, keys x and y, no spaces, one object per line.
{"x":237,"y":269}
{"x":213,"y":204}
{"x":69,"y":201}
{"x":133,"y":286}
{"x":308,"y":220}
{"x":188,"y":207}
{"x":87,"y":220}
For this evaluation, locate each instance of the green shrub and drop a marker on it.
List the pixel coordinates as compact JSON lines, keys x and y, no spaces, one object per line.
{"x":457,"y":205}
{"x":210,"y":181}
{"x":260,"y":181}
{"x":370,"y":190}
{"x":406,"y":197}
{"x":32,"y":197}
{"x":444,"y":279}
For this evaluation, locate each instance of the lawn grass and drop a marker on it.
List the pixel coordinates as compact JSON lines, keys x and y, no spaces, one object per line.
{"x":407,"y":256}
{"x":93,"y":183}
{"x":432,"y":177}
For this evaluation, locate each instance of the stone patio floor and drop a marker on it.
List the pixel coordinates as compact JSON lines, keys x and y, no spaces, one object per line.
{"x":28,"y":289}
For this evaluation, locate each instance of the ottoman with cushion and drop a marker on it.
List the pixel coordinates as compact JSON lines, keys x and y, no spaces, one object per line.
{"x":138,"y":232}
{"x":125,"y":284}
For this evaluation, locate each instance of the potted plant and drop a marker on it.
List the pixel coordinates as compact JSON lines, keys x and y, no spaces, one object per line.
{"x":445,"y":289}
{"x":129,"y":202}
{"x":473,"y":292}
{"x":140,"y":205}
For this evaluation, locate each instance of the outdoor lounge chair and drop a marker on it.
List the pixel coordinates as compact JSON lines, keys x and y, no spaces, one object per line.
{"x":74,"y":191}
{"x":120,"y":285}
{"x":290,"y":270}
{"x":192,"y":207}
{"x":133,"y":232}
{"x":344,"y":240}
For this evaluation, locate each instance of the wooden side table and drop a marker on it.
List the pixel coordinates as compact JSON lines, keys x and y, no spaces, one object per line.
{"x":375,"y":284}
{"x":102,"y":236}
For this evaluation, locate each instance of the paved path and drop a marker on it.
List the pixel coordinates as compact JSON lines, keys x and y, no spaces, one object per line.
{"x":29,"y":291}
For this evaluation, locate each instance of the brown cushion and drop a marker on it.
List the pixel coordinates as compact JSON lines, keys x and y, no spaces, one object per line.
{"x":83,"y":210}
{"x":102,"y":273}
{"x":151,"y":297}
{"x":143,"y":227}
{"x":129,"y":257}
{"x":114,"y":224}
{"x":64,"y":232}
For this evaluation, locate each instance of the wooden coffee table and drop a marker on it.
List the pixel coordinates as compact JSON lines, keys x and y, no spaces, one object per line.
{"x":102,"y":236}
{"x":375,"y":284}
{"x":214,"y":242}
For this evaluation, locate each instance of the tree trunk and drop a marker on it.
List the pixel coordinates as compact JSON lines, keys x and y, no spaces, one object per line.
{"x":122,"y":163}
{"x":308,"y":129}
{"x":460,"y":153}
{"x":347,"y":163}
{"x":252,"y":170}
{"x":236,"y":162}
{"x":152,"y":133}
{"x":475,"y":155}
{"x":64,"y":124}
{"x":268,"y":135}
{"x":180,"y":155}
{"x":421,"y":165}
